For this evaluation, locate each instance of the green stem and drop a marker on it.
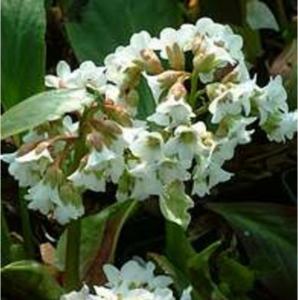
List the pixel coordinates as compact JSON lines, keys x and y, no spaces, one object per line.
{"x":194,"y":87}
{"x":5,"y":241}
{"x":72,"y":254}
{"x":26,"y":226}
{"x":72,"y":263}
{"x":282,"y":17}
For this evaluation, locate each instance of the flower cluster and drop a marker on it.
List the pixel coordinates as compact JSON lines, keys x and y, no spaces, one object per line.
{"x":205,"y":105}
{"x":134,"y":281}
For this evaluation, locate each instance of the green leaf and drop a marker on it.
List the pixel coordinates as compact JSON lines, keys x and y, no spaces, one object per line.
{"x":24,"y":279}
{"x":41,"y":108}
{"x":177,"y":242}
{"x":231,"y":272}
{"x":199,"y":272}
{"x":23,"y":49}
{"x":268,"y":233}
{"x":146,"y":105}
{"x":97,"y":28}
{"x":174,"y":204}
{"x":259,"y":16}
{"x":99,"y":236}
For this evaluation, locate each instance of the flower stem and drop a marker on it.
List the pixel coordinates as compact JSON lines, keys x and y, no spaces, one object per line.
{"x":72,"y":259}
{"x":26,"y":226}
{"x":194,"y":87}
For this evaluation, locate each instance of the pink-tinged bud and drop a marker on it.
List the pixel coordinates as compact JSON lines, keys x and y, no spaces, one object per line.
{"x":94,"y":139}
{"x":176,"y":57}
{"x":118,"y":114}
{"x":132,"y":76}
{"x":199,"y":45}
{"x":26,"y":148}
{"x":178,"y":90}
{"x":168,"y":78}
{"x":151,"y":62}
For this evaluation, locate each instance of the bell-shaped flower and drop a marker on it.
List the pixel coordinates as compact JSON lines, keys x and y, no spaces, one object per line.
{"x":280,"y":126}
{"x":148,"y":146}
{"x":146,"y":183}
{"x":271,"y":99}
{"x":230,"y":100}
{"x":172,"y":112}
{"x":186,"y":142}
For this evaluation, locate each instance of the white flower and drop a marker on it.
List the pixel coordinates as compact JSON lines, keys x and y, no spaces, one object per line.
{"x":146,"y":182}
{"x":170,"y":170}
{"x":172,"y":112}
{"x":64,"y":79}
{"x":283,"y":126}
{"x":221,"y":35}
{"x":96,"y":158}
{"x":42,"y":197}
{"x":186,"y":142}
{"x":88,"y":180}
{"x":148,"y":146}
{"x":29,"y":168}
{"x":232,"y":101}
{"x":135,"y":274}
{"x":87,"y":73}
{"x":206,"y":175}
{"x":65,"y":212}
{"x":83,"y":294}
{"x":271,"y":99}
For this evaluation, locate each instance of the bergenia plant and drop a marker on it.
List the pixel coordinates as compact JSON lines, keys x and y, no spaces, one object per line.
{"x":206,"y":104}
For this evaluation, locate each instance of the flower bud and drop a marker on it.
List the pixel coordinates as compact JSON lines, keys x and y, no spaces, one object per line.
{"x":176,"y":57}
{"x":204,"y":63}
{"x":151,"y":62}
{"x":95,"y":139}
{"x":26,"y":148}
{"x":178,"y":90}
{"x":132,"y":77}
{"x":199,"y":45}
{"x":168,"y":78}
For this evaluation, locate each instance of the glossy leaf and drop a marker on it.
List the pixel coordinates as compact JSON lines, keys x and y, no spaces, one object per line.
{"x":41,"y":108}
{"x":23,"y":49}
{"x":268,"y":233}
{"x":98,"y":27}
{"x":175,"y":203}
{"x":99,"y":236}
{"x":27,"y":279}
{"x":259,"y":16}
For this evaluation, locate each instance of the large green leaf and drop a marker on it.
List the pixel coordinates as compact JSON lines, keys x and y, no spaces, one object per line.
{"x":25,"y":280}
{"x":40,"y":108}
{"x":268,"y":233}
{"x":98,"y":27}
{"x":23,"y":49}
{"x":99,"y":236}
{"x":175,"y":203}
